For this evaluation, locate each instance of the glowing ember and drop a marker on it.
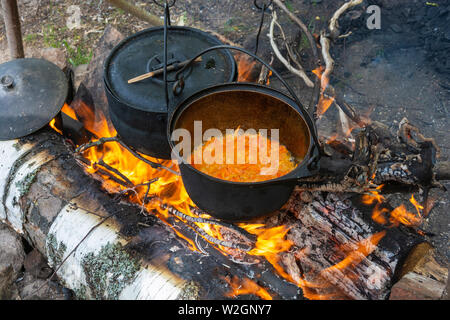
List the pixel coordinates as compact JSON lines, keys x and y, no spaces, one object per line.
{"x":246,"y":286}
{"x":399,"y":215}
{"x":362,"y":250}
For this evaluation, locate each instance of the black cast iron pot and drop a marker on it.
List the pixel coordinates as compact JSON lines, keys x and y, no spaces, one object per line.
{"x":230,"y":106}
{"x":139,"y":111}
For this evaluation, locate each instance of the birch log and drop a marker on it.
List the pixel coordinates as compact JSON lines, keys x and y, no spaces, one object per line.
{"x":42,"y":192}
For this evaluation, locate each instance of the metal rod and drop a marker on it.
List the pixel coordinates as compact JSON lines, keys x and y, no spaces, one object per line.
{"x":13,"y":31}
{"x":166,"y":26}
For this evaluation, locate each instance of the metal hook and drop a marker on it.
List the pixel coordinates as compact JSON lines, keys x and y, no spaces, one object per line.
{"x":178,"y":86}
{"x":162,"y":5}
{"x":265,"y":6}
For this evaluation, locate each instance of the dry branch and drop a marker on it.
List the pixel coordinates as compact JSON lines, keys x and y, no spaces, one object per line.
{"x":302,"y":26}
{"x":299,"y":72}
{"x":334,"y":21}
{"x":329,"y":62}
{"x":137,"y":12}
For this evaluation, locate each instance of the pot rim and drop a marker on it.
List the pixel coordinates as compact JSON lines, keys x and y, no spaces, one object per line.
{"x":293,"y":175}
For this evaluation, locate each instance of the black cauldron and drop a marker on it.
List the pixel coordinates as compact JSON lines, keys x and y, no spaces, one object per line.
{"x":139,"y":111}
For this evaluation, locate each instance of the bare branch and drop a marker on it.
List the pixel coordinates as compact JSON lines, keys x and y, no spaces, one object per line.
{"x":334,"y":23}
{"x":137,"y":12}
{"x":301,"y":73}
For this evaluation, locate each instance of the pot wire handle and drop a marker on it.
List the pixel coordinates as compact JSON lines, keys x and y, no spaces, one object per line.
{"x":179,"y":84}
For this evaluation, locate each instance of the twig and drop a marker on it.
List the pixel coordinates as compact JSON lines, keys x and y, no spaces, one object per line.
{"x":144,"y":201}
{"x":299,"y":72}
{"x":250,"y":237}
{"x":101,"y":141}
{"x":411,"y":135}
{"x":96,"y":143}
{"x":349,"y":111}
{"x":199,"y":246}
{"x":206,"y":236}
{"x":111,"y":176}
{"x":334,"y":23}
{"x":288,"y":48}
{"x":265,"y":73}
{"x":313,"y":46}
{"x":114,"y":170}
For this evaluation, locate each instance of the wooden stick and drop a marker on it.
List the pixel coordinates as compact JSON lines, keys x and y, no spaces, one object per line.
{"x":13,"y":30}
{"x":160,"y":71}
{"x":137,"y":12}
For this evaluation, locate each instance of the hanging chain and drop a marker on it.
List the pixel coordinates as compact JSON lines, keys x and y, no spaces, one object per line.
{"x":261,"y":22}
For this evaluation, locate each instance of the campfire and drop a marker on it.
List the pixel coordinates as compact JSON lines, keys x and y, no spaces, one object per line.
{"x":336,"y":237}
{"x":161,"y":192}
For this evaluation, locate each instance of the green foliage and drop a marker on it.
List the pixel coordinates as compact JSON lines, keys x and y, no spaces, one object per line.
{"x":30,"y":38}
{"x":78,"y":55}
{"x":289,"y":5}
{"x":51,"y":36}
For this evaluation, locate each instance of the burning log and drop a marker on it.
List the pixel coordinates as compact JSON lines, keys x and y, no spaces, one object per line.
{"x":64,"y":214}
{"x":379,"y":158}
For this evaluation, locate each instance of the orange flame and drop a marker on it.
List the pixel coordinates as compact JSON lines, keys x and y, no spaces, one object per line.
{"x":324,"y":102}
{"x":245,"y":67}
{"x":373,"y":196}
{"x":170,"y":189}
{"x":416,"y":205}
{"x":268,"y":77}
{"x":246,"y":286}
{"x":379,"y":215}
{"x":403,"y":216}
{"x":69,"y":111}
{"x":52,"y":124}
